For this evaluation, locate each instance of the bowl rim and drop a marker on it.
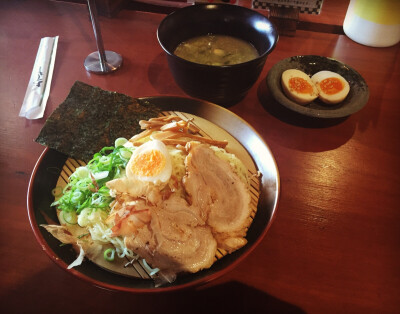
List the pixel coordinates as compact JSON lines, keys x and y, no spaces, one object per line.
{"x":236,"y":7}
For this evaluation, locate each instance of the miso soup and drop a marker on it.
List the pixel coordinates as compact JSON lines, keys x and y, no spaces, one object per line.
{"x":216,"y":50}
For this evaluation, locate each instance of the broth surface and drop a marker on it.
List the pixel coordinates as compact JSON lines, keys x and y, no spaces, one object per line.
{"x":216,"y":50}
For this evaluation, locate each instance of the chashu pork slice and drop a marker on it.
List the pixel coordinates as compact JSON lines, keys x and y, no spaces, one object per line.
{"x":176,"y":239}
{"x":223,"y":198}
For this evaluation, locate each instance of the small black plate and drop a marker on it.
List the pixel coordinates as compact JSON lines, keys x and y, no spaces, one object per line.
{"x":355,"y":100}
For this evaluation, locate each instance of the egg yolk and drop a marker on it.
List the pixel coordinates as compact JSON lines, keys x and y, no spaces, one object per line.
{"x":331,"y":85}
{"x":149,"y":163}
{"x":300,"y":85}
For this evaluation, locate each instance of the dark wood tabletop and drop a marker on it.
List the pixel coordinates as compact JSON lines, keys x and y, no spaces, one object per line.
{"x":334,"y":246}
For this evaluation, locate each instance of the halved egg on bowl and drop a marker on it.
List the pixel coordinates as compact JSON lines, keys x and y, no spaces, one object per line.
{"x":150,"y":162}
{"x":148,"y":169}
{"x":332,"y":87}
{"x":298,"y":86}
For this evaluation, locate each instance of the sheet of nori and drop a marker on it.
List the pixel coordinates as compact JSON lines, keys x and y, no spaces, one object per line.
{"x":91,"y":118}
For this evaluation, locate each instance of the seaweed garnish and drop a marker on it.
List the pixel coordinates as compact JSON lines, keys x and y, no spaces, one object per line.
{"x":91,"y":118}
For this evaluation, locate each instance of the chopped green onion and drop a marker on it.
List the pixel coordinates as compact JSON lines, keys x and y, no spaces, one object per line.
{"x":109,"y":254}
{"x":100,"y":175}
{"x":70,"y":217}
{"x":126,"y":153}
{"x":82,"y":172}
{"x":83,"y":235}
{"x":77,"y":196}
{"x":105,"y":160}
{"x":120,"y":141}
{"x":85,"y":191}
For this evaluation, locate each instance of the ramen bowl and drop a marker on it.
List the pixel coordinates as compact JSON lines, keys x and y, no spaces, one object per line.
{"x":223,"y":84}
{"x":213,"y":120}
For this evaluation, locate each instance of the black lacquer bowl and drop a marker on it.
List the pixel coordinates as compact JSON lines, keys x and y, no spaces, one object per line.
{"x":219,"y":122}
{"x":223,"y":85}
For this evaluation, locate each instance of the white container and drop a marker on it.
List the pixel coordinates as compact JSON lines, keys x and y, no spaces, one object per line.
{"x":373,"y":23}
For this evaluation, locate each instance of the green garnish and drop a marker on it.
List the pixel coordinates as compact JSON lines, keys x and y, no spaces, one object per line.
{"x":70,"y":217}
{"x":83,"y":235}
{"x":109,"y":255}
{"x":86,"y":187}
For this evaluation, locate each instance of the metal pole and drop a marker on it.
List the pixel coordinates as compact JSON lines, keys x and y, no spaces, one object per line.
{"x":101,"y":61}
{"x":97,"y":33}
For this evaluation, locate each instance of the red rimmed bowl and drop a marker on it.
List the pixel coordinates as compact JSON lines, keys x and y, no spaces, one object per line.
{"x":47,"y":170}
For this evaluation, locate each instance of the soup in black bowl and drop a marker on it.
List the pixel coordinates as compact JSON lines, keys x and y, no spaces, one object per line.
{"x":223,"y":84}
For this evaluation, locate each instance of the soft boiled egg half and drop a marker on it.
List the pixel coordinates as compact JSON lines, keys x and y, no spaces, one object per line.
{"x":298,"y":86}
{"x":150,"y":162}
{"x":332,"y":87}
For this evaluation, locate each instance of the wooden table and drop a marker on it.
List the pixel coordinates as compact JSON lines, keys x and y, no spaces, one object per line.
{"x":334,"y":245}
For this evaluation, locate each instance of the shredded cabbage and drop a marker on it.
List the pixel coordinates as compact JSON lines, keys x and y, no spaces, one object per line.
{"x":101,"y":232}
{"x":79,"y":259}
